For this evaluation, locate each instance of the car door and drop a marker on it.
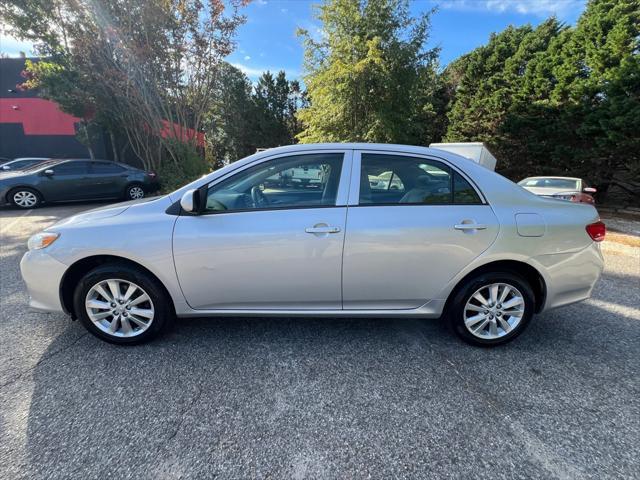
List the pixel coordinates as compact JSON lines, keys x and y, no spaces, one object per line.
{"x":109,"y":179}
{"x":265,"y":243}
{"x":69,"y":181}
{"x":401,"y":248}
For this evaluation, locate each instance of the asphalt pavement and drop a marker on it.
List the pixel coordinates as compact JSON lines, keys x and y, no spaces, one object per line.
{"x":319,"y":398}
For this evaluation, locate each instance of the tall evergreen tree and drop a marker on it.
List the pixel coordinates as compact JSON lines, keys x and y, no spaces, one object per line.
{"x":366,"y":75}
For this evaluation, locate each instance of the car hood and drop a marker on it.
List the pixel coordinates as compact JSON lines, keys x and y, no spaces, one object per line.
{"x":549,"y":191}
{"x":100,"y":212}
{"x":4,"y":174}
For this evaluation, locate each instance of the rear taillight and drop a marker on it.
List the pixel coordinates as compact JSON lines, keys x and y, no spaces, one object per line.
{"x":597,"y":231}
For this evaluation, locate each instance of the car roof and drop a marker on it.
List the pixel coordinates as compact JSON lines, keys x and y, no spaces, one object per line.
{"x":554,"y":178}
{"x":30,"y":158}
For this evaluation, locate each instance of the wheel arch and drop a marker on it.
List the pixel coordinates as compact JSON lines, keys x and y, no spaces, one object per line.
{"x":78,"y":269}
{"x":134,"y":183}
{"x":529,"y":273}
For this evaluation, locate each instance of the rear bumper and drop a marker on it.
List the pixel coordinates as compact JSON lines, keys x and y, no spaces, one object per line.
{"x":42,"y":274}
{"x":570,"y":277}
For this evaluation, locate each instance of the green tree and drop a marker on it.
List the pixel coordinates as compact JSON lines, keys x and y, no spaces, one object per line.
{"x":231,"y":125}
{"x":366,"y":75}
{"x":151,"y":66}
{"x":579,"y":110}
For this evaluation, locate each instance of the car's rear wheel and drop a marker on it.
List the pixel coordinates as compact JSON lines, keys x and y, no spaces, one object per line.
{"x":122,"y":304}
{"x":134,"y":192}
{"x":491,"y":308}
{"x":25,"y":198}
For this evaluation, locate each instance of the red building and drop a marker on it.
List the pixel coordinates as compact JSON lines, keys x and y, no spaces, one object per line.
{"x":34,"y":127}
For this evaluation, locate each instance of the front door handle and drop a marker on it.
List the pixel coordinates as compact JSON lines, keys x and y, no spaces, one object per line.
{"x":322,"y":229}
{"x":470,"y":226}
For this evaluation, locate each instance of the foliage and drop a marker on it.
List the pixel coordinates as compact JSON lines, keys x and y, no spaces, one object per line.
{"x":148,"y":66}
{"x":245,"y":117}
{"x":369,"y":76}
{"x":189,"y":167}
{"x":557,"y":100}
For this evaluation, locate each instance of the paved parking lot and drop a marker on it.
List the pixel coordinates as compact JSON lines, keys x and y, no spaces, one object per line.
{"x":311,"y":398}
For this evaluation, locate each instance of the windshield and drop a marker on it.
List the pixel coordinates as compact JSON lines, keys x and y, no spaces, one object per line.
{"x":564,"y":183}
{"x":39,"y":165}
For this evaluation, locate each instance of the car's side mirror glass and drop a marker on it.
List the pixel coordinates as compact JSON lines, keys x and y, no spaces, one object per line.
{"x":49,"y":172}
{"x":589,"y":190}
{"x":190,"y":201}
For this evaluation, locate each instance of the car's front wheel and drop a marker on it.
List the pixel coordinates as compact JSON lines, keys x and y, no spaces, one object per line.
{"x":25,"y":198}
{"x":491,"y":308}
{"x":122,"y":304}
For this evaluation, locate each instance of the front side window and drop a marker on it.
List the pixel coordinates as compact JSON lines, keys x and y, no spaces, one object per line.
{"x":71,"y":168}
{"x":398,"y":179}
{"x":295,"y":181}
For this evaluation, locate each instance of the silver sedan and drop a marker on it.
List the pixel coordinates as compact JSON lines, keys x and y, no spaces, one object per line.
{"x":306,"y":230}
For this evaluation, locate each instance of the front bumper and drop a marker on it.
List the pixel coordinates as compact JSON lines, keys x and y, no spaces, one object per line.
{"x":43,"y":274}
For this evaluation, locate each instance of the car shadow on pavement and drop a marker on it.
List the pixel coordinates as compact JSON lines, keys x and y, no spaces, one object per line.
{"x":327,"y":398}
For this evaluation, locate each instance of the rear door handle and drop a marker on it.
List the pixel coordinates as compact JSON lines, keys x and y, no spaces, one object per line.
{"x":470,"y":226}
{"x":322,"y":229}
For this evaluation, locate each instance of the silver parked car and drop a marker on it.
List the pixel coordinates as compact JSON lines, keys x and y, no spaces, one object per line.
{"x":454,"y":239}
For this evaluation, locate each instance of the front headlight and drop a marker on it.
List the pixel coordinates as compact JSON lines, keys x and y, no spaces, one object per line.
{"x":42,"y":240}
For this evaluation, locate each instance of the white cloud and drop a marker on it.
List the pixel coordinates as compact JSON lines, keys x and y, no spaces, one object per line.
{"x":247,"y":57}
{"x":254,"y":73}
{"x":261,"y":2}
{"x":535,"y":7}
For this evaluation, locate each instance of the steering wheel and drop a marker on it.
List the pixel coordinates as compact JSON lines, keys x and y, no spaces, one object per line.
{"x":258,"y":197}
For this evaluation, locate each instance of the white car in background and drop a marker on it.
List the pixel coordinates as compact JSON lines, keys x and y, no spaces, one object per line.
{"x":455,"y":239}
{"x":561,"y":188}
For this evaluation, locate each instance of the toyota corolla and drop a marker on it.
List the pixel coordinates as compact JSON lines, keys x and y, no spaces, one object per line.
{"x":443,"y":237}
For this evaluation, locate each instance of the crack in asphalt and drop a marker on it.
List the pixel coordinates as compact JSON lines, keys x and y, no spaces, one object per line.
{"x":186,"y":410}
{"x":43,"y":360}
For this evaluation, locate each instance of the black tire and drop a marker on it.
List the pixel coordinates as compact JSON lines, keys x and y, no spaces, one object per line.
{"x":163,"y":311}
{"x":133,"y":191}
{"x":25,"y":192}
{"x":455,"y":315}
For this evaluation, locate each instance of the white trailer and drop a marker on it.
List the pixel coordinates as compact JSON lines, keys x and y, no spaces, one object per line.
{"x":474,"y":151}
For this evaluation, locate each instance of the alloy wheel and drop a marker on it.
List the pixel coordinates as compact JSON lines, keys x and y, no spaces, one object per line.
{"x":136,"y":193}
{"x":494,"y":311}
{"x":119,"y":308}
{"x":25,"y":199}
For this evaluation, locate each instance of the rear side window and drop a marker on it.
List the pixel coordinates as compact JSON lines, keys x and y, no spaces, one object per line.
{"x":399,"y":179}
{"x":106,"y":167}
{"x":71,"y":168}
{"x":463,"y":192}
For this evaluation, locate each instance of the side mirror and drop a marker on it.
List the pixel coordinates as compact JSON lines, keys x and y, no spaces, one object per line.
{"x":49,"y":172}
{"x":190,"y":201}
{"x":589,"y":190}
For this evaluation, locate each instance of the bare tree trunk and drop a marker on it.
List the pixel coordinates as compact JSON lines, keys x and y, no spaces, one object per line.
{"x":114,"y":146}
{"x":92,"y":155}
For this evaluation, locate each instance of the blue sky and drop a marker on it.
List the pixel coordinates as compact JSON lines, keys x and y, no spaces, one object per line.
{"x":267,"y":41}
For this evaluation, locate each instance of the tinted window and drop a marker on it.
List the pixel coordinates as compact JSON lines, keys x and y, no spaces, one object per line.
{"x":293,"y":181}
{"x":463,"y":192}
{"x":106,"y":167}
{"x":399,"y":179}
{"x":23,"y":163}
{"x":71,"y":168}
